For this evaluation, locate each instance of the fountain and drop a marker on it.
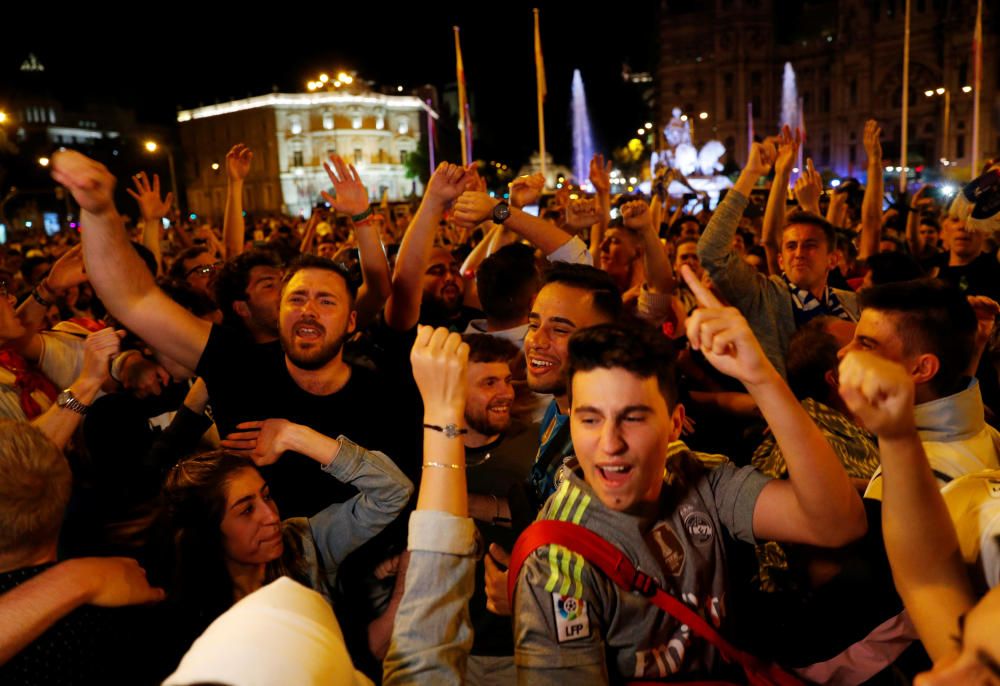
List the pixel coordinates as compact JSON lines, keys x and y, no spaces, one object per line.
{"x":789,"y":99}
{"x":683,"y":168}
{"x":583,"y":142}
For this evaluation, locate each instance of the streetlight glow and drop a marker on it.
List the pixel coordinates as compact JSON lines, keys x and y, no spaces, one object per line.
{"x":215,"y":166}
{"x":3,"y":117}
{"x":311,"y":85}
{"x":344,"y":77}
{"x":44,"y":161}
{"x":929,"y":94}
{"x":939,"y":91}
{"x":640,"y":131}
{"x":323,"y":78}
{"x":649,"y":125}
{"x":684,"y":117}
{"x":151,"y":146}
{"x":703,"y":115}
{"x":965,"y":89}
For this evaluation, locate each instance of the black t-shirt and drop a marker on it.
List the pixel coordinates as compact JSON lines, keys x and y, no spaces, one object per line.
{"x":90,"y":645}
{"x":979,"y":277}
{"x":378,"y":410}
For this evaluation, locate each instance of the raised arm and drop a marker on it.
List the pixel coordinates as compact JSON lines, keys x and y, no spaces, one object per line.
{"x":445,"y":185}
{"x":774,"y":215}
{"x":600,"y":177}
{"x":919,"y":536}
{"x":377,"y":281}
{"x":238,"y":161}
{"x":913,"y":221}
{"x":818,"y":504}
{"x":152,"y":210}
{"x":871,"y":205}
{"x":30,"y":609}
{"x":119,"y":276}
{"x":68,"y":271}
{"x":433,"y":633}
{"x":473,"y":207}
{"x":637,"y":216}
{"x":309,"y":235}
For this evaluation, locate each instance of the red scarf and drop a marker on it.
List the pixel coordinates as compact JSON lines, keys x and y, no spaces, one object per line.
{"x":27,"y":380}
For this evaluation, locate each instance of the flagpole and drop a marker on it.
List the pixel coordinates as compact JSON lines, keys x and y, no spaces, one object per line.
{"x":430,"y":135}
{"x":749,"y":128}
{"x":977,"y":70}
{"x":460,"y":75}
{"x":906,"y":98}
{"x":802,"y":130}
{"x":541,"y":88}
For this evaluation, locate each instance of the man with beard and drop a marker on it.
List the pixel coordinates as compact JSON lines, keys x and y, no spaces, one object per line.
{"x":498,"y":455}
{"x":302,"y":377}
{"x":444,"y":290}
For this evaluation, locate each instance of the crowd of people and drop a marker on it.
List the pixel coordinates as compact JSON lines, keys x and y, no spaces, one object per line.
{"x":609,"y":440}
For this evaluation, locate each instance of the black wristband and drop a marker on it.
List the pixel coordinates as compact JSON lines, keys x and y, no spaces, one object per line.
{"x":364,"y":215}
{"x":39,"y":299}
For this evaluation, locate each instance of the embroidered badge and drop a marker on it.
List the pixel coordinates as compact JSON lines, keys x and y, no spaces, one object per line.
{"x":699,"y":526}
{"x":670,"y":548}
{"x":572,"y":620}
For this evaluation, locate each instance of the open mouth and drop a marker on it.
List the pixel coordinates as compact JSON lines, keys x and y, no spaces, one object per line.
{"x":500,"y":410}
{"x":308,"y":331}
{"x":614,"y":474}
{"x":539,"y":366}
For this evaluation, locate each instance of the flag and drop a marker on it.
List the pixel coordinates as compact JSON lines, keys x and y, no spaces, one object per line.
{"x":431,"y":136}
{"x":542,"y":92}
{"x":977,"y":77}
{"x":802,"y":131}
{"x":463,"y":123}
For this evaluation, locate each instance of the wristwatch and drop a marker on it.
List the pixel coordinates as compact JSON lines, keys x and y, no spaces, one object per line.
{"x":501,"y":212}
{"x":67,"y":400}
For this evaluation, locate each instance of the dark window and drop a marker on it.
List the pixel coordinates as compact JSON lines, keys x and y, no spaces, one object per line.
{"x":960,"y":145}
{"x":297,"y":160}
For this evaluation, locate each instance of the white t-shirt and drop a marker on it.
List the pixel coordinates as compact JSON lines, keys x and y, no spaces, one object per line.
{"x":974,"y":504}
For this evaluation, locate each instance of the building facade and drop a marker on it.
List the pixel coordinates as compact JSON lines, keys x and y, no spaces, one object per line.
{"x":291,"y":135}
{"x":724,"y":57}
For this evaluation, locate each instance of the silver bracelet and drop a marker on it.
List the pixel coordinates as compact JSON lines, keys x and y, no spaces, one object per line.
{"x":443,"y":465}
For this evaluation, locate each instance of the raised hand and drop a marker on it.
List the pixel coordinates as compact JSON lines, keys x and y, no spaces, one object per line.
{"x":762,"y":157}
{"x":263,"y":442}
{"x":872,"y":139}
{"x":788,"y":150}
{"x":113,"y":581}
{"x":472,"y":208}
{"x":440,"y":360}
{"x":449,"y":181}
{"x":987,"y":310}
{"x":526,"y":190}
{"x":98,"y":351}
{"x":636,"y":216}
{"x":600,"y":174}
{"x":68,"y":271}
{"x":582,"y":213}
{"x":90,"y":182}
{"x":238,"y":161}
{"x":147,"y":195}
{"x":879,"y":392}
{"x":350,"y":195}
{"x":724,"y":337}
{"x":808,"y":188}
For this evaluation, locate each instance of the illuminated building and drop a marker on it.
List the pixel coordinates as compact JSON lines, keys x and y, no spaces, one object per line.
{"x":291,"y":135}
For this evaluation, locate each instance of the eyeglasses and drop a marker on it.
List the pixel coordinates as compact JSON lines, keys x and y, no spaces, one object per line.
{"x":204,"y":269}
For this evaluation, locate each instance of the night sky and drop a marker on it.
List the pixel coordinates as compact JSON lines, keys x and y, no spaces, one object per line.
{"x":158,"y":57}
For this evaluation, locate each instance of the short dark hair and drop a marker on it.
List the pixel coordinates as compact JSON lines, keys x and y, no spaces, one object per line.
{"x":890,"y":267}
{"x":316,"y":262}
{"x":935,"y":318}
{"x":507,"y":282}
{"x":931,"y":221}
{"x":607,"y":299}
{"x":812,"y":352}
{"x":685,"y":241}
{"x":675,"y":229}
{"x":195,"y":302}
{"x":486,"y":348}
{"x":637,"y":348}
{"x":802,"y":217}
{"x":232,"y":281}
{"x":177,"y":270}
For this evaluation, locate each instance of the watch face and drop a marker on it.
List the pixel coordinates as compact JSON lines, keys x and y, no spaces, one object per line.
{"x":501,"y":212}
{"x":63,"y":398}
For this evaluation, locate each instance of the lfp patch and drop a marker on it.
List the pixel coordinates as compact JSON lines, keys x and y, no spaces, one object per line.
{"x":572,"y":620}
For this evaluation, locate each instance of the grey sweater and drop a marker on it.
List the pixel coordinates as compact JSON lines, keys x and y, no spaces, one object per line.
{"x":764,"y":301}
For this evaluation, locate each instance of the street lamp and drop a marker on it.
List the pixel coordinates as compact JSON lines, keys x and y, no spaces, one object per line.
{"x":152,"y":147}
{"x":947,"y":114}
{"x":703,"y":115}
{"x":44,"y":161}
{"x":3,"y":117}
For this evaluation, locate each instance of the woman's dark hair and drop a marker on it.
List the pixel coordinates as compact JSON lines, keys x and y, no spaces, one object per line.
{"x":195,"y":502}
